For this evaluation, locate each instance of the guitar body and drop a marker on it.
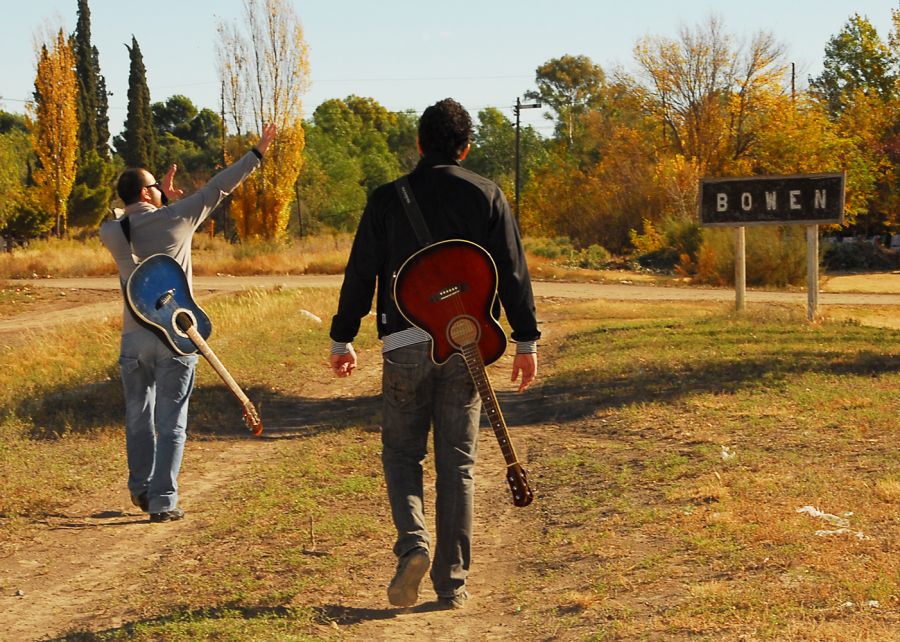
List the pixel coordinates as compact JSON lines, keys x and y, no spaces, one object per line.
{"x":439,"y":283}
{"x":157,"y":293}
{"x":448,"y":289}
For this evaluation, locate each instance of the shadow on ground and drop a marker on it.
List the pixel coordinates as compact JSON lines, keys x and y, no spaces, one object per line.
{"x":324,"y":615}
{"x":215,"y":412}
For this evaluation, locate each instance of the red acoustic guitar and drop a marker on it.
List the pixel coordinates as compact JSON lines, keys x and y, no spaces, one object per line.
{"x":448,"y":290}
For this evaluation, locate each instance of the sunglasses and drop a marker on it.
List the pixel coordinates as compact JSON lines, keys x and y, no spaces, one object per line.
{"x":162,"y":195}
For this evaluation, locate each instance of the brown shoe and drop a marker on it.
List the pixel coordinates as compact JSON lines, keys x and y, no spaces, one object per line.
{"x":404,"y":588}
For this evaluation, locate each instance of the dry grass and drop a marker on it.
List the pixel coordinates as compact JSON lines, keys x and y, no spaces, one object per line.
{"x":670,"y":447}
{"x":325,"y":254}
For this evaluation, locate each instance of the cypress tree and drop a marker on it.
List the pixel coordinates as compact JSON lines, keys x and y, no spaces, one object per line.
{"x":137,"y":145}
{"x":102,"y":110}
{"x":87,"y":82}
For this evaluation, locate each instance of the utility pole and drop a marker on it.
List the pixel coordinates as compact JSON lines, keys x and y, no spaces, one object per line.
{"x":518,"y":108}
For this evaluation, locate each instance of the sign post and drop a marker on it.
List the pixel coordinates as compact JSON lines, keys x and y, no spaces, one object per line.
{"x":801,"y":199}
{"x":740,"y":268}
{"x":812,"y":271}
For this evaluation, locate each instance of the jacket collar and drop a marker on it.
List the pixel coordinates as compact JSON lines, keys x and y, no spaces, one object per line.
{"x":139,"y":208}
{"x":433,"y":160}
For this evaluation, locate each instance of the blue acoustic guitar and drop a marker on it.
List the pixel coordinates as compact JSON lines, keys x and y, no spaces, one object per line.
{"x":448,"y":289}
{"x":160,"y":297}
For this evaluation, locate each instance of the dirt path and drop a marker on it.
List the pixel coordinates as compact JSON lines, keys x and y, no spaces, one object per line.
{"x":78,"y":563}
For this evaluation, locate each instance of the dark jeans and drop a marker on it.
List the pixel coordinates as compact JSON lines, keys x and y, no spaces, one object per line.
{"x":417,"y":394}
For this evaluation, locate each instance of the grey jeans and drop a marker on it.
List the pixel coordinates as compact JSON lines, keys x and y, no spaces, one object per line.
{"x":158,"y":384}
{"x":418,"y":394}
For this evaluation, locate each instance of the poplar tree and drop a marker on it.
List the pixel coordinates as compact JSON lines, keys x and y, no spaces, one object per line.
{"x":266,"y":68}
{"x":54,"y":127}
{"x":137,"y":144}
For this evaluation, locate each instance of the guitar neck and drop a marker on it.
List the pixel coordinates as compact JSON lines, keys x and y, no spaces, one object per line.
{"x":217,"y":365}
{"x":479,"y":375}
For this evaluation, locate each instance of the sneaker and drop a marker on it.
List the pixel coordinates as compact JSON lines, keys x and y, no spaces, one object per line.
{"x":457,"y":601}
{"x":142,"y":501}
{"x":167,"y":516}
{"x":404,"y":588}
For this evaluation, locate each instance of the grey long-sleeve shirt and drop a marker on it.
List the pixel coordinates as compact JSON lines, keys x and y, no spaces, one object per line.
{"x":168,"y":230}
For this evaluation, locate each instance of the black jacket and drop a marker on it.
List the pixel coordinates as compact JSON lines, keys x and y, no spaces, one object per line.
{"x":455,"y":203}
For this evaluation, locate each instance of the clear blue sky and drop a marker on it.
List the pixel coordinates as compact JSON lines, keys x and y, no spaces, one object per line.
{"x":407,"y":54}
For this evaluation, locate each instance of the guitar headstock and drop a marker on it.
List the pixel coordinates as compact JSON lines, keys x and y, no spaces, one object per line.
{"x":518,"y":484}
{"x":251,"y":419}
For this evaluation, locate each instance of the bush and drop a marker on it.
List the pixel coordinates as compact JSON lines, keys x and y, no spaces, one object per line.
{"x":561,"y":251}
{"x":674,"y":246}
{"x":775,"y":256}
{"x":555,"y":248}
{"x":593,"y":257}
{"x":859,"y":256}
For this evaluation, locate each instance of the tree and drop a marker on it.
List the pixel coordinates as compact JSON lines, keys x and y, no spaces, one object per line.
{"x":92,"y":119}
{"x":493,"y":151}
{"x":570,"y":86}
{"x":54,"y":130}
{"x":266,"y":69}
{"x":856,"y":59}
{"x":137,"y":144}
{"x":15,"y":150}
{"x":188,"y":137}
{"x":91,"y":193}
{"x":710,"y":98}
{"x":353,"y":146}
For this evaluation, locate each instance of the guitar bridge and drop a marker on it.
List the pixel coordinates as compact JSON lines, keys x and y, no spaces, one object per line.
{"x":448,"y":292}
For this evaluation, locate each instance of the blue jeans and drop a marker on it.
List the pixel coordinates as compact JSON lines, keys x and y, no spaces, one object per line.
{"x":417,"y":393}
{"x":157,"y":383}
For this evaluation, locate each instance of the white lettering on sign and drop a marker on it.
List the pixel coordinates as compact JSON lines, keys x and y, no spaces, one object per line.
{"x":721,"y":202}
{"x":794,"y":195}
{"x":819,"y":203}
{"x":771,"y":201}
{"x":746,"y":201}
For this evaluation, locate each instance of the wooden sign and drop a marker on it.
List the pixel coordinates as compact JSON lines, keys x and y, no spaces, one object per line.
{"x":804,"y":199}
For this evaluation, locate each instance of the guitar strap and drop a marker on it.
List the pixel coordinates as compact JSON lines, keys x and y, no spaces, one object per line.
{"x":413,"y":213}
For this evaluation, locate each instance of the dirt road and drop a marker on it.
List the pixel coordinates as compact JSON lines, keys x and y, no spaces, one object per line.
{"x":857,"y":292}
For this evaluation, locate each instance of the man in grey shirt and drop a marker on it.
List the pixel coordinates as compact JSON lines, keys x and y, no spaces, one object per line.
{"x":158,"y":381}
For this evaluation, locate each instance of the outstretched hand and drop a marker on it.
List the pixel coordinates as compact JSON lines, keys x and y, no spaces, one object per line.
{"x":168,"y":184}
{"x":268,"y":135}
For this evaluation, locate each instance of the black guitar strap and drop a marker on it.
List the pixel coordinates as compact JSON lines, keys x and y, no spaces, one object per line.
{"x":413,"y":213}
{"x":126,"y":228}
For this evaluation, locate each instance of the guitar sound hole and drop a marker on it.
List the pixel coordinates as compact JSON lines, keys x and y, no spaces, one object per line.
{"x":463,"y":331}
{"x":183,"y":320}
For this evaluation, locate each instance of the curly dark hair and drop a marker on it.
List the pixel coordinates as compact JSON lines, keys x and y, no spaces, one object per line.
{"x":445,"y":128}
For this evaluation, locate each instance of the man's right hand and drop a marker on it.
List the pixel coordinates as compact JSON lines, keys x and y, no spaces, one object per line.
{"x":268,"y":135}
{"x":343,"y":365}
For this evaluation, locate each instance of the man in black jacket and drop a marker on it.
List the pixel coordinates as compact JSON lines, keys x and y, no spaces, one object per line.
{"x":455,"y":203}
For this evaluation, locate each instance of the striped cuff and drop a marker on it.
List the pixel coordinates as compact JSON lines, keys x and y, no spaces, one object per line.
{"x":339,"y":347}
{"x":526,"y":347}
